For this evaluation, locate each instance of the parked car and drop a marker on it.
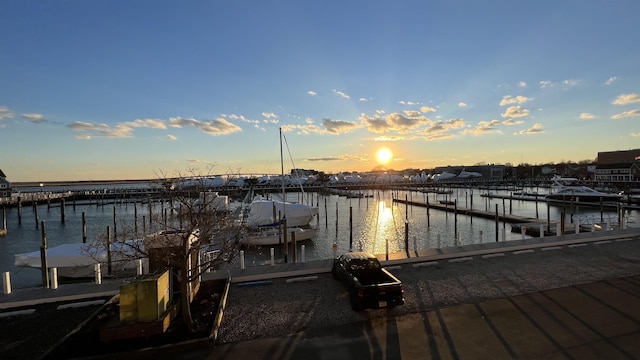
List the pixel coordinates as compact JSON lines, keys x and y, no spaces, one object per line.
{"x":369,"y":284}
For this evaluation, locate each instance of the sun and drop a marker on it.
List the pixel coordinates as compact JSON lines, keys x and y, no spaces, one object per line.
{"x":384,"y":155}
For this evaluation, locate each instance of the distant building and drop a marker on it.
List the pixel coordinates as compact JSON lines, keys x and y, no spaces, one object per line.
{"x":5,"y":185}
{"x":618,"y":157}
{"x":618,"y":166}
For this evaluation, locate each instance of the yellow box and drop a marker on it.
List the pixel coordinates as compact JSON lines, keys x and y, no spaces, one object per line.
{"x":128,"y":302}
{"x":153,"y":297}
{"x":146,"y":299}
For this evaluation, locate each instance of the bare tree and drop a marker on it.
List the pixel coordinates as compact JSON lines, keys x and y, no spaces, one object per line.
{"x":193,"y":233}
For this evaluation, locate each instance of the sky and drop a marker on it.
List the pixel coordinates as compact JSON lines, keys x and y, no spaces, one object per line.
{"x":99,"y":90}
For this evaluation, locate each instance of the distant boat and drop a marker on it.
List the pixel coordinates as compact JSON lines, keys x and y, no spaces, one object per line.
{"x":443,"y":176}
{"x":567,"y":189}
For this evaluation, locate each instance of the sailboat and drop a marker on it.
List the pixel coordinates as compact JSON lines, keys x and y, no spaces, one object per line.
{"x":267,"y":217}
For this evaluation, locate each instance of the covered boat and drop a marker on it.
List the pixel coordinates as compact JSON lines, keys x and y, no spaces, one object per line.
{"x":78,"y":260}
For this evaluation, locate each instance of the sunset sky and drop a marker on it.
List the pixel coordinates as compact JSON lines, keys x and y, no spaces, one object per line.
{"x":93,"y":90}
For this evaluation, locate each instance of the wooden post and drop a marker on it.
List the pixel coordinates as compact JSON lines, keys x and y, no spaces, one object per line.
{"x":84,"y":228}
{"x":428,"y":215}
{"x":4,"y":221}
{"x":286,"y":245}
{"x":19,"y":210}
{"x":108,"y":250}
{"x":135,"y":218}
{"x":35,"y":211}
{"x":294,"y":247}
{"x":350,"y":228}
{"x":406,"y":236}
{"x":326,"y":217}
{"x":43,"y":258}
{"x":115,"y":232}
{"x":62,"y":208}
{"x":455,"y":217}
{"x":497,"y":224}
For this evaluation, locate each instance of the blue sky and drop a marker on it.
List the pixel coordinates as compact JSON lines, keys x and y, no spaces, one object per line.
{"x":94,"y":90}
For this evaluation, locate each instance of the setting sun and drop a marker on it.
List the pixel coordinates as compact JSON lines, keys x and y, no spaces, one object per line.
{"x":384,"y":155}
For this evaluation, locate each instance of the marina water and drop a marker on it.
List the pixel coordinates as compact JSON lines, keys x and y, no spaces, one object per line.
{"x":373,"y":223}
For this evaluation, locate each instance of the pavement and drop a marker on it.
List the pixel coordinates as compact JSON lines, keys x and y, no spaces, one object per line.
{"x":590,"y":321}
{"x":586,"y":320}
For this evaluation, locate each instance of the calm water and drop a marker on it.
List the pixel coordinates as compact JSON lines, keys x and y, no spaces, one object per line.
{"x":378,"y":224}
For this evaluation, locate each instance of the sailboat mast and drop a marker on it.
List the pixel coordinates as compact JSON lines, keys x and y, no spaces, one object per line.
{"x":284,"y":200}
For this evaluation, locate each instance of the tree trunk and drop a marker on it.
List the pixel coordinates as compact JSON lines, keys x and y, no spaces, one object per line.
{"x":185,"y":297}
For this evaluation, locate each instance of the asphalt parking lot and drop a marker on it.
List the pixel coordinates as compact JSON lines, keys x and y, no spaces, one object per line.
{"x":575,"y":301}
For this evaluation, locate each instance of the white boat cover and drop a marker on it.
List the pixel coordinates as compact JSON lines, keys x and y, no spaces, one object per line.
{"x":73,"y":255}
{"x":261,"y":213}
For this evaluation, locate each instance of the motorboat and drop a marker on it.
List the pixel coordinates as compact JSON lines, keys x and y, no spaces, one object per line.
{"x":567,"y":189}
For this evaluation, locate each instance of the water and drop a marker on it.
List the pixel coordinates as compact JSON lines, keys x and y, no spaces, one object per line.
{"x":378,"y":225}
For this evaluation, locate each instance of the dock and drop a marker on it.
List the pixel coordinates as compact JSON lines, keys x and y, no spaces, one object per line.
{"x":508,"y":218}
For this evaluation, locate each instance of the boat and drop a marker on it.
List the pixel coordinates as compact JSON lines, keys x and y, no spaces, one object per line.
{"x":266,"y":236}
{"x":265,"y":212}
{"x":78,"y":260}
{"x":568,"y":189}
{"x":266,"y":219}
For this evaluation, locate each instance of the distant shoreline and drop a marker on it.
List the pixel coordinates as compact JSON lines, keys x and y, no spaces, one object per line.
{"x":20,"y":184}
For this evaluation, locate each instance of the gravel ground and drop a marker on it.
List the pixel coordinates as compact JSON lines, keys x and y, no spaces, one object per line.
{"x":279,"y":309}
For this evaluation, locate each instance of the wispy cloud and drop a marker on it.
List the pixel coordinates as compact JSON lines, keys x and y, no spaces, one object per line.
{"x":625,"y":114}
{"x":341,"y":94}
{"x":312,"y":93}
{"x":522,"y":84}
{"x":462,"y":104}
{"x":587,"y":116}
{"x":90,"y":130}
{"x":484,"y":127}
{"x":339,"y":126}
{"x":427,"y":109}
{"x":545,"y":84}
{"x":510,"y":100}
{"x":172,"y":137}
{"x":219,"y":126}
{"x":511,"y":122}
{"x":611,"y":80}
{"x":34,"y":118}
{"x":535,"y":129}
{"x":624,"y":99}
{"x":5,"y":113}
{"x":395,"y":122}
{"x":515,"y":112}
{"x":147,"y":123}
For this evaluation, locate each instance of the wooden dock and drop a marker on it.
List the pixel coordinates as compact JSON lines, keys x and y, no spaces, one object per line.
{"x":496,"y":215}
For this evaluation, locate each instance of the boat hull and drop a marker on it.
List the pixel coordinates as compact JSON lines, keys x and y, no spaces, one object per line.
{"x":583,"y":198}
{"x":266,"y":237}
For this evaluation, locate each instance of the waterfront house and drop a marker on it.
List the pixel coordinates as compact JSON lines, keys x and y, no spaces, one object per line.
{"x":5,"y":185}
{"x":618,"y":166}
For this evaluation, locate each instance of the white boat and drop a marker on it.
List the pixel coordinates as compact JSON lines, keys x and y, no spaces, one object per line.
{"x":274,"y":236}
{"x":443,"y":176}
{"x":78,"y":260}
{"x":264,"y":212}
{"x":567,"y":189}
{"x":266,"y":218}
